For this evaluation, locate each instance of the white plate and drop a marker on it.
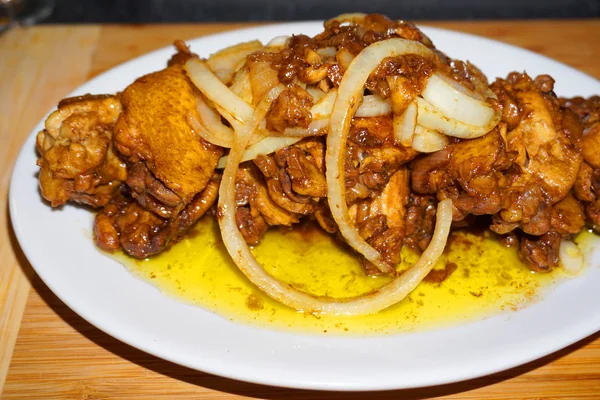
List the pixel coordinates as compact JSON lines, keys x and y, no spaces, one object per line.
{"x":58,"y":244}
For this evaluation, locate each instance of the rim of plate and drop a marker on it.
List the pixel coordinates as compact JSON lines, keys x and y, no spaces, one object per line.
{"x":289,"y":359}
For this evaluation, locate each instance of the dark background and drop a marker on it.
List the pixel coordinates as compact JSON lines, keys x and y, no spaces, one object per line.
{"x":145,"y":11}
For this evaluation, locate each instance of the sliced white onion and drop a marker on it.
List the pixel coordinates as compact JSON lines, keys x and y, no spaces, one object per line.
{"x":278,"y":41}
{"x":344,"y":58}
{"x":265,"y":146}
{"x":216,"y":91}
{"x":326,"y":52}
{"x":457,"y":102}
{"x":315,"y":128}
{"x":432,"y":118}
{"x":405,"y":125}
{"x":428,"y":141}
{"x":322,"y":108}
{"x":260,"y":133}
{"x":570,"y":257}
{"x":347,"y":102}
{"x":316,"y":93}
{"x":373,"y":106}
{"x":225,"y":62}
{"x":214,"y":130}
{"x":241,"y":85}
{"x":207,"y":135}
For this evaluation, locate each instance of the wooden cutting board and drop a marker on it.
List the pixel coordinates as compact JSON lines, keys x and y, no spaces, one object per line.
{"x":49,"y":352}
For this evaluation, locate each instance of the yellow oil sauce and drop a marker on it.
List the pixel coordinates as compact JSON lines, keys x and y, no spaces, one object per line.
{"x":488,"y":279}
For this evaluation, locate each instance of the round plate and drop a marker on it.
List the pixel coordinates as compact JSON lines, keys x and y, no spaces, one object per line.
{"x":58,"y":244}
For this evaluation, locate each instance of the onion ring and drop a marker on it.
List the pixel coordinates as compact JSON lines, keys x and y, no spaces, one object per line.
{"x":322,"y":108}
{"x":225,"y":62}
{"x":210,"y":85}
{"x":348,"y":99}
{"x":366,"y":304}
{"x":457,"y":102}
{"x":211,"y":128}
{"x":432,"y":118}
{"x":279,"y":41}
{"x":347,"y":18}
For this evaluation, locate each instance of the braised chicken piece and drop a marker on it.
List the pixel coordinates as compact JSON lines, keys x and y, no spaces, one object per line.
{"x":171,"y":180}
{"x":124,"y":223}
{"x":170,"y":163}
{"x":547,"y":160}
{"x":256,"y":209}
{"x":420,"y":221}
{"x":291,"y":109}
{"x":521,"y":173}
{"x":295,"y":175}
{"x":372,"y":156}
{"x":77,"y":158}
{"x":381,"y":221}
{"x":377,"y":186}
{"x":281,"y":188}
{"x":587,"y":185}
{"x":470,"y":172}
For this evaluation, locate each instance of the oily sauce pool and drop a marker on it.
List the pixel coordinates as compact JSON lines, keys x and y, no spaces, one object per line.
{"x":484,"y":278}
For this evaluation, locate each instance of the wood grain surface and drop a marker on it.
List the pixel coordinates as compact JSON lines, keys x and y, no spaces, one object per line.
{"x":49,"y":352}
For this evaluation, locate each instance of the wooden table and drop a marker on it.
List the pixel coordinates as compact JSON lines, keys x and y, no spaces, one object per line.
{"x":49,"y":352}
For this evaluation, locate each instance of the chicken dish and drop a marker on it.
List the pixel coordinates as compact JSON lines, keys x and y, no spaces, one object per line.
{"x":366,"y":128}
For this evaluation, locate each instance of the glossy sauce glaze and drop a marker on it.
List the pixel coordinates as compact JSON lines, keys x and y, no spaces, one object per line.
{"x":485,"y":278}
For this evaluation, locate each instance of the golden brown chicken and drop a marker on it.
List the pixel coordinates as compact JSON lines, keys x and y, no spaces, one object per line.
{"x":124,"y":223}
{"x":169,"y":163}
{"x":77,"y":159}
{"x":136,"y":154}
{"x":171,"y":170}
{"x":521,"y":173}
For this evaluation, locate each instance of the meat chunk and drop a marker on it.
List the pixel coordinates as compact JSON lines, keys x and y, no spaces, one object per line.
{"x":305,"y":171}
{"x":154,"y":129}
{"x":567,"y":216}
{"x":590,"y":145}
{"x":470,"y":172}
{"x":540,"y":252}
{"x":295,"y":175}
{"x":256,"y":209}
{"x":545,"y":155}
{"x":280,"y":189}
{"x":125,"y":223}
{"x":291,"y":109}
{"x":587,"y":184}
{"x":372,"y":157}
{"x":151,"y":193}
{"x":382,"y":221}
{"x":420,"y":221}
{"x":77,"y":159}
{"x":393,"y":199}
